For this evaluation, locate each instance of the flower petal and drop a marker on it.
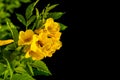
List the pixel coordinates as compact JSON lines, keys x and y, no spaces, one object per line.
{"x":5,"y":42}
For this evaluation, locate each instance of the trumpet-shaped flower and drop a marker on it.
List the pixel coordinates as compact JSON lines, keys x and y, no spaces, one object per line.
{"x":5,"y":42}
{"x":35,"y":50}
{"x":54,"y":46}
{"x":51,"y":26}
{"x":43,"y":42}
{"x":34,"y":54}
{"x":55,"y":36}
{"x":25,"y":38}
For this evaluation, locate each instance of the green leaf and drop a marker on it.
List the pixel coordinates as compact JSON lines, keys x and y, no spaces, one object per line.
{"x":25,"y":1}
{"x":15,"y":63}
{"x":55,"y":15}
{"x":21,"y":19}
{"x":9,"y":68}
{"x":41,"y":67}
{"x":20,"y":69}
{"x":32,"y":18}
{"x":23,"y":76}
{"x":10,"y":47}
{"x":37,"y":13}
{"x":1,"y":5}
{"x":39,"y":72}
{"x":29,"y":10}
{"x":14,"y":55}
{"x":38,"y":23}
{"x":2,"y":68}
{"x":62,"y":27}
{"x":4,"y":35}
{"x":45,"y":11}
{"x":6,"y":74}
{"x":48,"y":8}
{"x":30,"y":69}
{"x":13,"y":31}
{"x":3,"y":28}
{"x":6,"y":54}
{"x":4,"y":14}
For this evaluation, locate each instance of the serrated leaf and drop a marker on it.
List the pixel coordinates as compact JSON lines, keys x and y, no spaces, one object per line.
{"x":20,"y":70}
{"x":29,"y":10}
{"x":55,"y":15}
{"x":62,"y":27}
{"x":21,"y":19}
{"x":32,"y":18}
{"x":41,"y":67}
{"x":13,"y":31}
{"x":39,"y":72}
{"x":23,"y":76}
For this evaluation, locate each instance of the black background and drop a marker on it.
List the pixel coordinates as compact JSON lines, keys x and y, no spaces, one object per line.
{"x":64,"y":64}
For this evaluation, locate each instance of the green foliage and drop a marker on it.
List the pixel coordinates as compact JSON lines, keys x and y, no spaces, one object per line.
{"x":2,"y":68}
{"x":39,"y":18}
{"x":13,"y":31}
{"x":46,"y":11}
{"x":32,"y":18}
{"x":62,"y":27}
{"x":7,"y":7}
{"x":21,"y":19}
{"x":29,"y":17}
{"x":29,"y":10}
{"x":9,"y":69}
{"x":55,"y":15}
{"x":4,"y":32}
{"x":10,"y":47}
{"x":40,"y":68}
{"x":23,"y":76}
{"x":13,"y":64}
{"x":20,"y":69}
{"x":30,"y":69}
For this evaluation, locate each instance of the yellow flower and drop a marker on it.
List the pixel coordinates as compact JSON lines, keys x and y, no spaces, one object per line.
{"x":51,"y":26}
{"x":44,"y":42}
{"x":55,"y":36}
{"x":25,"y":38}
{"x":35,"y":50}
{"x":53,"y":29}
{"x":38,"y":31}
{"x":34,"y":54}
{"x":55,"y":46}
{"x":49,"y":37}
{"x":5,"y":42}
{"x":43,"y":36}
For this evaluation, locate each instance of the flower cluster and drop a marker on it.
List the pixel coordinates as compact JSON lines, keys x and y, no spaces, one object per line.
{"x":22,"y":50}
{"x":42,"y":42}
